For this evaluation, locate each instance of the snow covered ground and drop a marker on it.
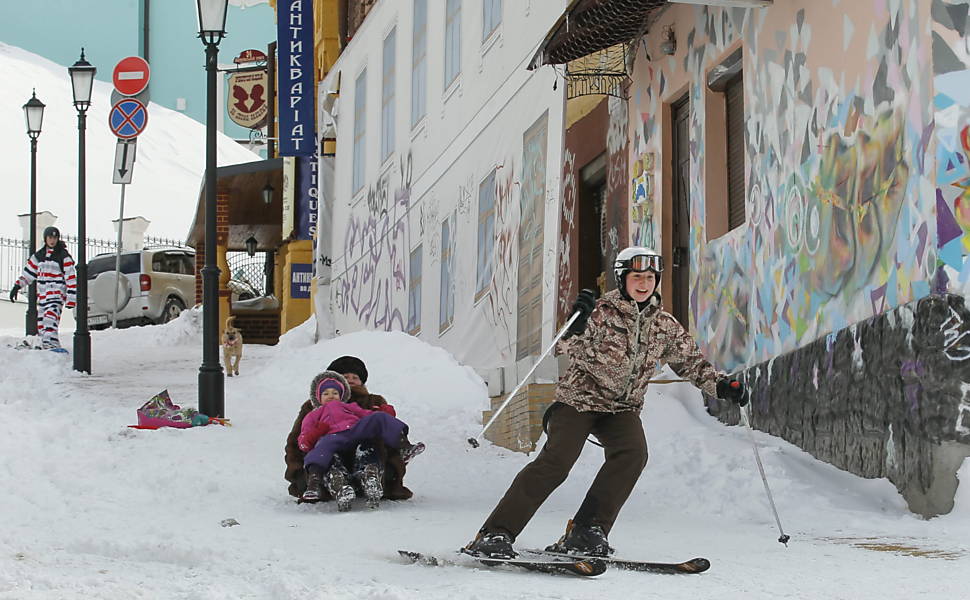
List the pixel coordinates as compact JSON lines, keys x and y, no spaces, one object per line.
{"x":94,"y":509}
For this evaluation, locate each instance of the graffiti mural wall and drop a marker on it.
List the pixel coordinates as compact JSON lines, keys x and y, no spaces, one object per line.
{"x":840,"y":203}
{"x":460,"y":210}
{"x":951,"y":81}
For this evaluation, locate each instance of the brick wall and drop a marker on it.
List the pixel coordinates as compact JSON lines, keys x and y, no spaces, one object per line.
{"x":259,"y":327}
{"x":519,"y":426}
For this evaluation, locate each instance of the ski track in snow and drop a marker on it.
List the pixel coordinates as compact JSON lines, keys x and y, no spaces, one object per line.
{"x":94,"y":509}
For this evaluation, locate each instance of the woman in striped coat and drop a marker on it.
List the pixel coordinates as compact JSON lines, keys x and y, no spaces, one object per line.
{"x":53,"y":269}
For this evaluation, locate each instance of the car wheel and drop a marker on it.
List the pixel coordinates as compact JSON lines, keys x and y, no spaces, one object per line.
{"x":173,"y":308}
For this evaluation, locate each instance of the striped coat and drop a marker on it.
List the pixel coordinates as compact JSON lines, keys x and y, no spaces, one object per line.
{"x":56,"y":276}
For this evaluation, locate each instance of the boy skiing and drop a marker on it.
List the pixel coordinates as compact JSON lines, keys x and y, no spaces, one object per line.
{"x":53,"y":269}
{"x":615,"y":345}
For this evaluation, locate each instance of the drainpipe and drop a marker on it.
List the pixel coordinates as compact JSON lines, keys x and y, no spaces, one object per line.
{"x":145,"y":18}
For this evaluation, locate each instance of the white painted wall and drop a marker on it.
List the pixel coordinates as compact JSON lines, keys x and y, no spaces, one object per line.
{"x":473,"y":127}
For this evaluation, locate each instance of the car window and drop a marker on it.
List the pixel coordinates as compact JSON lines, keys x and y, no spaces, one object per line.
{"x":130,"y":263}
{"x":188,"y":264}
{"x":166,"y":262}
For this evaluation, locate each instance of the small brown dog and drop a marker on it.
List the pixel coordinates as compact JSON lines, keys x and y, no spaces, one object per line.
{"x":232,"y":347}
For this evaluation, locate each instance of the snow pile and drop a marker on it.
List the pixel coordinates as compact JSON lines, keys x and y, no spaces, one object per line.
{"x":94,"y":509}
{"x":168,"y":168}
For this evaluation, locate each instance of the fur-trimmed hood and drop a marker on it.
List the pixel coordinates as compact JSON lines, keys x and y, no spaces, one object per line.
{"x":314,"y":398}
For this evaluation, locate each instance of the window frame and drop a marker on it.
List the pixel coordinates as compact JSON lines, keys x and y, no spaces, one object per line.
{"x":496,"y":9}
{"x":415,"y":290}
{"x":419,"y":64}
{"x":359,"y":168}
{"x":446,"y":293}
{"x":486,"y":236}
{"x":388,"y":94}
{"x":452,"y":49}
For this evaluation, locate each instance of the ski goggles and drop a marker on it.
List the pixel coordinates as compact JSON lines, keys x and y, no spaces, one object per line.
{"x":645,"y":262}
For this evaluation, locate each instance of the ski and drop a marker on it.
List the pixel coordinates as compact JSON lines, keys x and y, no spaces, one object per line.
{"x":695,"y":565}
{"x":583,"y":567}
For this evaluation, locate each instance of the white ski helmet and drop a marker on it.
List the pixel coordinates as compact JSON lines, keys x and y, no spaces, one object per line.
{"x":638,"y":259}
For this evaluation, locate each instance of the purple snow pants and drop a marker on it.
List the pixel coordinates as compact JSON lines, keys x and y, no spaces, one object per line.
{"x":378,"y":425}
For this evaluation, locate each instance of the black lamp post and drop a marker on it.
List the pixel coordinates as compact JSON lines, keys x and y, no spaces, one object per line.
{"x":34,"y":115}
{"x":82,"y":80}
{"x":212,"y":28}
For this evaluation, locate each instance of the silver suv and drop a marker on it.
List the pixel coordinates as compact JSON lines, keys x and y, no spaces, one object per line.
{"x":156,"y":285}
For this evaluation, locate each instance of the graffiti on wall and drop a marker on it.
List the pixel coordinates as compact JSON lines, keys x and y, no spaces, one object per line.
{"x":837,"y":174}
{"x":376,"y":251}
{"x":613,"y":216}
{"x":951,"y":80}
{"x":643,"y":211}
{"x":500,"y":303}
{"x":567,"y":232}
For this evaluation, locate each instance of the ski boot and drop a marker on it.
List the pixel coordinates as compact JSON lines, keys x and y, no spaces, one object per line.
{"x":586,"y":540}
{"x":313,"y":481}
{"x":491,"y":545}
{"x":370,"y":482}
{"x":339,"y":487}
{"x":409,"y":450}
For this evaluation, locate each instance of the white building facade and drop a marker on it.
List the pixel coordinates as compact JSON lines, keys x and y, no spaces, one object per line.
{"x":444,"y":196}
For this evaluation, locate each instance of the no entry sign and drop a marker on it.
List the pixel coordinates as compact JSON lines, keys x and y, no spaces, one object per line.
{"x":128,"y":118}
{"x":131,"y":75}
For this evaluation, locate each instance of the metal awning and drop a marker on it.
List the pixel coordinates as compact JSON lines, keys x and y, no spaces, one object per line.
{"x":248,"y":214}
{"x":588,"y":26}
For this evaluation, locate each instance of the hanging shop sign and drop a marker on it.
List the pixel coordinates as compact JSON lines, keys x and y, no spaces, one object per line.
{"x":247,"y":101}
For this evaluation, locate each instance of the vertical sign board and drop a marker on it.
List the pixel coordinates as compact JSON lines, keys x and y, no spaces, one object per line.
{"x":324,"y":225}
{"x":295,"y":77}
{"x":305,"y":223}
{"x":300,"y":277}
{"x":289,"y":195}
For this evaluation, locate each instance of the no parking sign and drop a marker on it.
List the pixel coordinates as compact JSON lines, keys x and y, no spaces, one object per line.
{"x":128,"y":118}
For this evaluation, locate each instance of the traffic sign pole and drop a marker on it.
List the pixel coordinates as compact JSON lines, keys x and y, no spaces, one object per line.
{"x":121,"y":221}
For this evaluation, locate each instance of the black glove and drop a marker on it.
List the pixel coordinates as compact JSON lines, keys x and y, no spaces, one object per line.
{"x":584,"y":305}
{"x":13,"y":292}
{"x":733,"y":390}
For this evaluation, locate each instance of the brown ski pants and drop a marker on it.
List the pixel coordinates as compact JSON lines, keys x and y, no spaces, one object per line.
{"x":625,"y":449}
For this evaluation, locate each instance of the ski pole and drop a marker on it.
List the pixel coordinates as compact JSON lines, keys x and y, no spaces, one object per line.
{"x":474,"y":440}
{"x":746,"y":419}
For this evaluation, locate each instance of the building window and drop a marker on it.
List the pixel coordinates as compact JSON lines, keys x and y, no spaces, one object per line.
{"x":419,"y":64}
{"x":491,"y":17}
{"x":387,"y":96}
{"x":446,"y":297}
{"x":360,"y":130}
{"x":414,"y":292}
{"x":486,"y":233}
{"x":452,"y":42}
{"x":734,"y":121}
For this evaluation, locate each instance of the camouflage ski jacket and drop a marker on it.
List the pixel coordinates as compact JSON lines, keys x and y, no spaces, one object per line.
{"x":621,"y":349}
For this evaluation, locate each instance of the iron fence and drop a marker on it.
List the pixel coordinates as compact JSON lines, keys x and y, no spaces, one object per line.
{"x":248,"y":272}
{"x":14,"y":254}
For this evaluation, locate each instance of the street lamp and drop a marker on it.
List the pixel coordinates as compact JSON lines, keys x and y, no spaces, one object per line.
{"x":34,"y":115}
{"x":251,"y":245}
{"x":212,"y":28}
{"x":268,"y":194}
{"x":82,"y":79}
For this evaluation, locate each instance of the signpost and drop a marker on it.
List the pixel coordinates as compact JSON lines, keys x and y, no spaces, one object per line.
{"x":127,"y":119}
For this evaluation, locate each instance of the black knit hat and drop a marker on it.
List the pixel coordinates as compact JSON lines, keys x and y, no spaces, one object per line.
{"x":349,"y":364}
